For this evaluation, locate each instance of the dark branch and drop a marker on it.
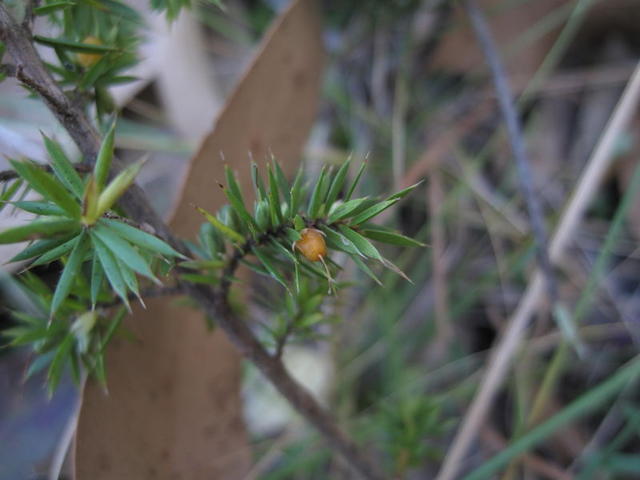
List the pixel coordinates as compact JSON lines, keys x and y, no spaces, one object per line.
{"x":8,"y":70}
{"x":213,"y":301}
{"x":516,"y":141}
{"x":29,"y":13}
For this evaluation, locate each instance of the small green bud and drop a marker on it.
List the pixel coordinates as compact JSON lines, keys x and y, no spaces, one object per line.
{"x":262,"y":215}
{"x":90,"y":202}
{"x":298,"y":223}
{"x":82,"y":327}
{"x":117,"y":187}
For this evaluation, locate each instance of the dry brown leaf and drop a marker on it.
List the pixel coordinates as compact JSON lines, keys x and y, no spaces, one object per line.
{"x":173,"y":409}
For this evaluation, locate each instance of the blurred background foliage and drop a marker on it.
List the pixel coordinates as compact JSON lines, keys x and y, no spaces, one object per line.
{"x":405,"y":88}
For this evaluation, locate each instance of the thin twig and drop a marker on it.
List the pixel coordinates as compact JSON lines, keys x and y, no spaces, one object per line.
{"x":516,"y":140}
{"x":30,"y":13}
{"x":503,"y":352}
{"x":8,"y":70}
{"x":214,"y":302}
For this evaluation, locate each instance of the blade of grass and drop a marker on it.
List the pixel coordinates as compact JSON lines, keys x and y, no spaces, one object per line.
{"x":587,"y":403}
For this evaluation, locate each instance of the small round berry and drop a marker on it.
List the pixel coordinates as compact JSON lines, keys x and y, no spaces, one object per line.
{"x":312,"y":244}
{"x":88,"y":60}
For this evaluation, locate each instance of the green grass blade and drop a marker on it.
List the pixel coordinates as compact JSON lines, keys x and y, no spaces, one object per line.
{"x":587,"y":403}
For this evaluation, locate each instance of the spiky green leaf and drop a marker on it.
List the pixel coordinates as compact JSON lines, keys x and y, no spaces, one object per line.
{"x":9,"y":192}
{"x":392,"y":238}
{"x":360,"y":242}
{"x":104,"y":158}
{"x":238,"y":206}
{"x":40,"y":208}
{"x":53,"y":7}
{"x":69,"y":273}
{"x":315,"y":202}
{"x":337,"y":241}
{"x":273,"y":271}
{"x":222,"y":228}
{"x":39,"y":247}
{"x":57,"y":252}
{"x":38,"y":228}
{"x":403,"y":193}
{"x":97,"y":278}
{"x":57,"y":364}
{"x":258,"y":186}
{"x":117,"y":187}
{"x":365,"y":268}
{"x":70,"y":45}
{"x":295,"y":194}
{"x":111,"y":269}
{"x":141,"y":239}
{"x":338,"y":182}
{"x":63,"y":168}
{"x":373,"y":211}
{"x":355,"y":182}
{"x":283,"y":184}
{"x":47,"y":186}
{"x":343,"y":210}
{"x":124,"y":251}
{"x":274,"y":198}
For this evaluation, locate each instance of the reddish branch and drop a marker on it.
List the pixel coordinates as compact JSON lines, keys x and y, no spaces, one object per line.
{"x":30,"y":70}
